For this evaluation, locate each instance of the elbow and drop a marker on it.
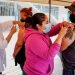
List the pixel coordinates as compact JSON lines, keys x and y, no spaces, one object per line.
{"x":19,"y":44}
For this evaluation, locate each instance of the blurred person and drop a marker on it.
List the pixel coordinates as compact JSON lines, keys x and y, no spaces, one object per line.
{"x":6,"y":26}
{"x":3,"y":45}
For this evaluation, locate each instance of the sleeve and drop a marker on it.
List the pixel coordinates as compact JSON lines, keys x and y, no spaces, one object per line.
{"x":40,"y":48}
{"x":6,"y":26}
{"x":54,"y":30}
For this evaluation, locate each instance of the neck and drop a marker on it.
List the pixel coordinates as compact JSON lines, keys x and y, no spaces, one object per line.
{"x":40,"y":30}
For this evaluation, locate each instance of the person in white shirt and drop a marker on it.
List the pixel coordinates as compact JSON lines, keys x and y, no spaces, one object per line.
{"x":4,"y":42}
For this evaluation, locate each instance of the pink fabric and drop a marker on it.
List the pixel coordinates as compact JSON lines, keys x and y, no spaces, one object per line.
{"x":40,"y":53}
{"x":55,"y":29}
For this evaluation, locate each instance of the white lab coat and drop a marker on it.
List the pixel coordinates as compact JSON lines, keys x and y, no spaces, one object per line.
{"x":3,"y":43}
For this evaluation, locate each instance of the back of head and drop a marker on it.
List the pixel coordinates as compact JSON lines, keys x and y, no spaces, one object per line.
{"x":28,"y":11}
{"x":37,"y":18}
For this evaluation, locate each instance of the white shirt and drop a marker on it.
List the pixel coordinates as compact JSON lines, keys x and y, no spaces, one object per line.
{"x":3,"y":43}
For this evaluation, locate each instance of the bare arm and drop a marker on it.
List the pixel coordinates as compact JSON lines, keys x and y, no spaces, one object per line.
{"x":67,"y":40}
{"x":20,"y":24}
{"x":19,"y":42}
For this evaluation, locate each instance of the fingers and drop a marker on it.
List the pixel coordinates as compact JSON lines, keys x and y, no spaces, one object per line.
{"x":15,"y":22}
{"x":71,"y":26}
{"x":63,"y":31}
{"x":68,"y":25}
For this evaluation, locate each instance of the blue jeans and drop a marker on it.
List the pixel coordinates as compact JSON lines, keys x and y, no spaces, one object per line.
{"x":68,"y":72}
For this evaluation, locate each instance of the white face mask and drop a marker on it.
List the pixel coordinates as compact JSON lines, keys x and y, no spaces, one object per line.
{"x":48,"y":27}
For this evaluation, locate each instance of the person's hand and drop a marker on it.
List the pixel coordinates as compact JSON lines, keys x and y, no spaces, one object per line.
{"x":15,"y":22}
{"x":71,"y":26}
{"x":63,"y":30}
{"x":61,"y":34}
{"x":65,"y":24}
{"x":13,"y":29}
{"x":21,"y":24}
{"x":68,"y":25}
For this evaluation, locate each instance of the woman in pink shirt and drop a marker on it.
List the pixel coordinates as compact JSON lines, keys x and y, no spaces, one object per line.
{"x":40,"y":51}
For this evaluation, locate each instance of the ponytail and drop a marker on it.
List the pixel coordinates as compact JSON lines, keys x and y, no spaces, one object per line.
{"x":37,"y":18}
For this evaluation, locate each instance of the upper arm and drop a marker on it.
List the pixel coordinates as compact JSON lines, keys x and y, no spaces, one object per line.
{"x":67,"y":40}
{"x":20,"y":37}
{"x":65,"y":43}
{"x":19,"y":42}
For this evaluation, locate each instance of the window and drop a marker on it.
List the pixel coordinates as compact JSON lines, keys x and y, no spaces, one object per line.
{"x":45,"y":8}
{"x":6,"y":9}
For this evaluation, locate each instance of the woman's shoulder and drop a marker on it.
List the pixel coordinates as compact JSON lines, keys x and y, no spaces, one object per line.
{"x":34,"y":37}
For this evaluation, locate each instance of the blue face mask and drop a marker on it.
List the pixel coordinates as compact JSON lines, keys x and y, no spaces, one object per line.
{"x":48,"y":27}
{"x":68,"y":17}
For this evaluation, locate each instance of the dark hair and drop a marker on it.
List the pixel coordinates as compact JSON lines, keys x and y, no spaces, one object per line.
{"x":28,"y":11}
{"x":37,"y":18}
{"x":72,"y":18}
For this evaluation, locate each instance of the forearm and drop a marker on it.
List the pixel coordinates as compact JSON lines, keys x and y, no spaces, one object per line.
{"x":8,"y":38}
{"x":17,"y":49}
{"x":19,"y":42}
{"x":54,"y":49}
{"x":61,"y":35}
{"x":59,"y":39}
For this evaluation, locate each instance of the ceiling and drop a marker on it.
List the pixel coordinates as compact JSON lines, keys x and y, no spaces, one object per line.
{"x":55,"y":2}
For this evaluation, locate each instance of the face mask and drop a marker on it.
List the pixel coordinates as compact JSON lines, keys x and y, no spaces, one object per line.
{"x":48,"y":27}
{"x":72,"y":18}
